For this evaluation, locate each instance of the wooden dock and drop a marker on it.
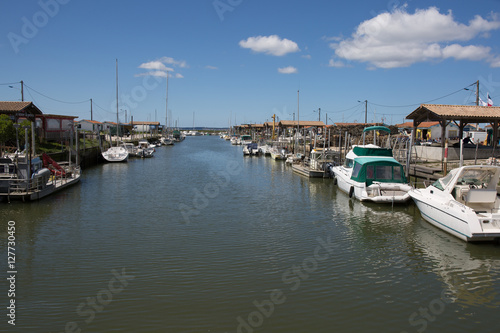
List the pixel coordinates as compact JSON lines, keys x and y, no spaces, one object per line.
{"x":423,"y":172}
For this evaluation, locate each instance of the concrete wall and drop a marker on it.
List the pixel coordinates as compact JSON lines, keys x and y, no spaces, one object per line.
{"x":436,"y":153}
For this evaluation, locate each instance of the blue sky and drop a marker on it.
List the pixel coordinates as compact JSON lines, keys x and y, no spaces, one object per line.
{"x":245,"y":60}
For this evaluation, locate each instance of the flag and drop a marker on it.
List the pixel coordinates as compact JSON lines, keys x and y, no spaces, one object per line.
{"x":490,"y":101}
{"x":482,"y":103}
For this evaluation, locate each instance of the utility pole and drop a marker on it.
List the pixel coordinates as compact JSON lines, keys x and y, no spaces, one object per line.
{"x":91,"y":113}
{"x":477,"y":92}
{"x":319,"y":114}
{"x":366,"y":110}
{"x":22,"y":91}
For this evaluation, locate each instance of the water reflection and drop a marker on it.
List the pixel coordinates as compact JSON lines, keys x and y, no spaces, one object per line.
{"x":470,"y":276}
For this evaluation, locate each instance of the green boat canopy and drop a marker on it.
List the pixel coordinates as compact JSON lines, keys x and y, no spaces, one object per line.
{"x":377,"y":128}
{"x":383,"y":169}
{"x":367,"y":151}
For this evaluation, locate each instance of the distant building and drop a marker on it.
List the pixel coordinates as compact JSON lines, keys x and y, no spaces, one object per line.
{"x":90,"y":125}
{"x":50,"y":127}
{"x":145,"y":126}
{"x":430,"y":130}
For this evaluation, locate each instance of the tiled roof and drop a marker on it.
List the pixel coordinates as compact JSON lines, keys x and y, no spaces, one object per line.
{"x":301,"y":122}
{"x":13,"y":107}
{"x":471,"y":112}
{"x":422,"y":124}
{"x":91,"y":121}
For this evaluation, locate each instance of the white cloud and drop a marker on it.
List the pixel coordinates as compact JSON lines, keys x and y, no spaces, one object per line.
{"x":158,"y":67}
{"x":211,"y":67}
{"x":400,"y":39}
{"x":288,"y":70}
{"x":153,"y":73}
{"x":272,"y":45}
{"x":155,"y":65}
{"x":307,"y":56}
{"x":336,"y":63}
{"x":172,"y":61}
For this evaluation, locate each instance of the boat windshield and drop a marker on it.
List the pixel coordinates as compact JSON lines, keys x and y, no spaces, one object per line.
{"x":348,"y":163}
{"x":441,"y":183}
{"x":476,"y":177}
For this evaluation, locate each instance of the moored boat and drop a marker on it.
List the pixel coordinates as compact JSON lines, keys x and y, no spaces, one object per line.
{"x":115,"y":154}
{"x":370,"y":173}
{"x":36,"y":180}
{"x":464,"y":203}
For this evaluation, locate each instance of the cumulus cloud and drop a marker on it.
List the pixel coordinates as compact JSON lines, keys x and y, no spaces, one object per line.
{"x":288,"y":70}
{"x":272,"y":45}
{"x":158,"y":67}
{"x":400,"y":39}
{"x":172,"y":61}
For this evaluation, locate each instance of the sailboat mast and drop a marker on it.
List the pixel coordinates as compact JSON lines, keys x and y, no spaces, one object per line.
{"x":166,"y":109}
{"x":117,"y":119}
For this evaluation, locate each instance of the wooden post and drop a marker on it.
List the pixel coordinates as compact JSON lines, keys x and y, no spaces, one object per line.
{"x":445,"y":160}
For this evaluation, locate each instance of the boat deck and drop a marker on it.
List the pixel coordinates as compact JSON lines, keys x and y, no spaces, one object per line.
{"x":308,"y":172}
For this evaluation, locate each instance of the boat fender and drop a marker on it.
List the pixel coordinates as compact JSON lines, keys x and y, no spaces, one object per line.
{"x":351,"y":191}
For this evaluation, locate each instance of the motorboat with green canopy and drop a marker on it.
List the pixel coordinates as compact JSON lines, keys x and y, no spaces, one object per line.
{"x":371,"y":173}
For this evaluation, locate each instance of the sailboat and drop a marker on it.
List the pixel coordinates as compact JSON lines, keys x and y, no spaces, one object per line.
{"x":118,"y":153}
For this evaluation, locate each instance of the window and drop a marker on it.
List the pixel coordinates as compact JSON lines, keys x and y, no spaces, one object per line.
{"x":369,"y":172}
{"x":356,"y":170}
{"x":348,"y":163}
{"x":397,"y":173}
{"x":384,"y":172}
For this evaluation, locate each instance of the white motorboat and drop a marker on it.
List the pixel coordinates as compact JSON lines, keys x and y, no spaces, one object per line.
{"x":245,"y":140}
{"x":370,"y":173}
{"x":235,"y":140}
{"x":132,"y":150}
{"x":116,"y":154}
{"x":464,"y":203}
{"x":278,"y":153}
{"x":251,"y":149}
{"x":145,"y":149}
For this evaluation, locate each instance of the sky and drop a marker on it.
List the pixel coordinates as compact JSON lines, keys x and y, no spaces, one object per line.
{"x":240,"y":61}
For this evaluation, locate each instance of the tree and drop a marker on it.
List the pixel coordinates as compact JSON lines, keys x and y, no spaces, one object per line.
{"x":7,"y":131}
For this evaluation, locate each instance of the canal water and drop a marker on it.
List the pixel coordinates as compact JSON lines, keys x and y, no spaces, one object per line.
{"x":202,"y":239}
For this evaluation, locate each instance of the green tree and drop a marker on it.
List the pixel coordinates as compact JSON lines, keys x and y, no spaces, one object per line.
{"x":7,"y":131}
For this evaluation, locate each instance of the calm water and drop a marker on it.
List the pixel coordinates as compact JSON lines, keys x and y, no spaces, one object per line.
{"x":201,"y":239}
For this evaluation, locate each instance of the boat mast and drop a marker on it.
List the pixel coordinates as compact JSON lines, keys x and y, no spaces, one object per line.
{"x":166,"y":111}
{"x":298,"y":122}
{"x":117,"y":119}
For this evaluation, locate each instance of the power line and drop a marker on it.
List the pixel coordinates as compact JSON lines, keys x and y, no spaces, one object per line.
{"x":9,"y":84}
{"x":57,"y":100}
{"x":432,"y":100}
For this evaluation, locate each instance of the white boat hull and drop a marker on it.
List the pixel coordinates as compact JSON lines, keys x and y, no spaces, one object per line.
{"x":457,"y":219}
{"x":116,"y":154}
{"x":377,"y":192}
{"x":464,"y":203}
